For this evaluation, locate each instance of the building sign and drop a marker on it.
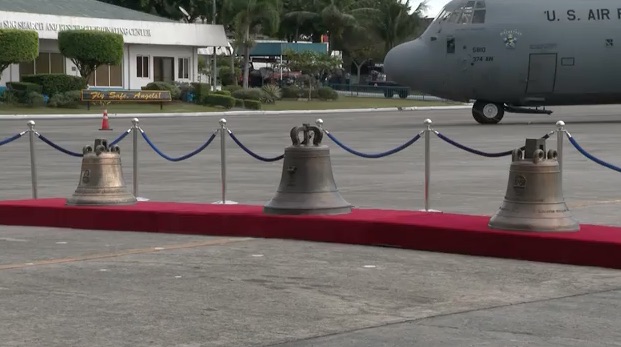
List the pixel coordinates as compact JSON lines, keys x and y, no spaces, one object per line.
{"x":129,"y":95}
{"x":54,"y":27}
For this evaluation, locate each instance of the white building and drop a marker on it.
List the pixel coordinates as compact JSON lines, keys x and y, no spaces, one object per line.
{"x":156,"y":49}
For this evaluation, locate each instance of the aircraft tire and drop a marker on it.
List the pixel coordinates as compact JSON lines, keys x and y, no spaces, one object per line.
{"x":487,"y":112}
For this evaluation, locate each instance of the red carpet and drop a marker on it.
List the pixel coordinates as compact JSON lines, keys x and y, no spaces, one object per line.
{"x":438,"y":232}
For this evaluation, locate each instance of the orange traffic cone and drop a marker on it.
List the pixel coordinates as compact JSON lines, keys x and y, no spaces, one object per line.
{"x":104,"y":121}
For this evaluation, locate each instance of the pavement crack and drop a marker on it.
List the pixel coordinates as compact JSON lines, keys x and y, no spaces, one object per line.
{"x":440,"y":315}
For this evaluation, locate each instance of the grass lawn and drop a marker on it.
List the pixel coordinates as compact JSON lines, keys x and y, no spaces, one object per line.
{"x":343,"y":102}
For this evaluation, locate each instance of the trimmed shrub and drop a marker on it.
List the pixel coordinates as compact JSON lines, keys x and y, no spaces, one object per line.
{"x":252,"y":104}
{"x":89,"y":49}
{"x":56,"y":83}
{"x":239,"y":103}
{"x":222,"y":92}
{"x":219,"y":100}
{"x":17,"y":46}
{"x":34,"y":99}
{"x":70,"y":99}
{"x":327,"y":93}
{"x":175,"y":92}
{"x":201,"y":90}
{"x":232,"y":88}
{"x":291,"y":92}
{"x":26,"y":87}
{"x":256,"y":94}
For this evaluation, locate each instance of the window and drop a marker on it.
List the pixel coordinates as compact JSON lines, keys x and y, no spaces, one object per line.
{"x":450,"y":45}
{"x":184,"y":68}
{"x":142,"y":66}
{"x":471,"y":12}
{"x":45,"y":63}
{"x":479,"y":13}
{"x":107,"y":76}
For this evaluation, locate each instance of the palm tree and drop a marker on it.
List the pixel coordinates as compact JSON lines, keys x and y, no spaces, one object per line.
{"x":393,"y":23}
{"x":252,"y":16}
{"x":338,"y":15}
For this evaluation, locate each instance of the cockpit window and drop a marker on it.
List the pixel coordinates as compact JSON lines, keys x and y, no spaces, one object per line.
{"x":479,"y":13}
{"x":471,"y":12}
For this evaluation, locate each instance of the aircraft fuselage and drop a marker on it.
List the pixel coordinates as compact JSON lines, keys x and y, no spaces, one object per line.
{"x":517,"y":53}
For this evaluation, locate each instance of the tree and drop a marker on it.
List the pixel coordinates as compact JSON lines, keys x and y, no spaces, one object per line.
{"x":361,"y":46}
{"x":312,"y":64}
{"x":88,"y":49}
{"x":252,"y":16}
{"x":393,"y":23}
{"x":17,"y":46}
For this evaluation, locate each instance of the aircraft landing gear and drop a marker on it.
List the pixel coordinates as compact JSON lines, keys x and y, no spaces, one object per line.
{"x":487,"y":112}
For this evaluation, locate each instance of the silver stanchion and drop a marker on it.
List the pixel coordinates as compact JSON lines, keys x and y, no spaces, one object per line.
{"x":560,"y":137}
{"x":427,"y":134}
{"x":33,"y":159}
{"x":223,"y":133}
{"x":135,"y":133}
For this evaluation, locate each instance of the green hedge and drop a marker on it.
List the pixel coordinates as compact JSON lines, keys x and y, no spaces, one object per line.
{"x":239,"y":103}
{"x":18,"y":46}
{"x":56,"y":83}
{"x":201,"y":90}
{"x":252,"y":104}
{"x":219,"y":100}
{"x":70,"y":99}
{"x":26,"y":87}
{"x":175,"y":92}
{"x":327,"y":93}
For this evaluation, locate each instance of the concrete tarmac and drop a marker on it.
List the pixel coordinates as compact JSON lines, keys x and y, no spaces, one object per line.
{"x":93,"y":288}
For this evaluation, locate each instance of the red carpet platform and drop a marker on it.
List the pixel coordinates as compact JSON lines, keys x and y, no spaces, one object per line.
{"x":437,"y":232}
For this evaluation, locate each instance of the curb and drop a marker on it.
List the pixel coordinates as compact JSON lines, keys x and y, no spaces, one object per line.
{"x":229,"y":113}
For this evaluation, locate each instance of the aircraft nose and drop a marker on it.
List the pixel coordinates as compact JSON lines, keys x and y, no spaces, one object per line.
{"x":404,"y":64}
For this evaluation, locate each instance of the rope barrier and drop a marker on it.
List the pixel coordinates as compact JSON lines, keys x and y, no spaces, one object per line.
{"x":481,"y":153}
{"x":12,"y":138}
{"x":57,"y":147}
{"x":375,"y":155}
{"x":252,"y":154}
{"x":121,"y":137}
{"x":184,"y":157}
{"x":586,"y":154}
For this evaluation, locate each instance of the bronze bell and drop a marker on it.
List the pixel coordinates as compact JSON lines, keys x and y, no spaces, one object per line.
{"x":307,"y":184}
{"x":101,"y":179}
{"x":534,"y":197}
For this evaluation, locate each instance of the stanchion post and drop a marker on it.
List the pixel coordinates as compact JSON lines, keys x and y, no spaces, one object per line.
{"x":135,"y":130}
{"x":33,"y":159}
{"x":223,"y":133}
{"x":427,"y":123}
{"x":560,"y":133}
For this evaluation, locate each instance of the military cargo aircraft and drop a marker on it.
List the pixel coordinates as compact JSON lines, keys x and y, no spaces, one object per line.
{"x":515,"y":56}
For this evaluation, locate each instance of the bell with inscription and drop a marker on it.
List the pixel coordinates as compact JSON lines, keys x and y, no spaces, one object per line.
{"x":534,"y":197}
{"x":307,"y":184}
{"x":101,"y":178}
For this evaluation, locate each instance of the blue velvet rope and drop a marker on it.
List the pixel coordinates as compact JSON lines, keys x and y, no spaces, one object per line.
{"x":57,"y":147}
{"x":586,"y":154}
{"x":121,"y":137}
{"x":475,"y":151}
{"x":375,"y":155}
{"x":184,"y":157}
{"x":252,"y":154}
{"x":11,"y":139}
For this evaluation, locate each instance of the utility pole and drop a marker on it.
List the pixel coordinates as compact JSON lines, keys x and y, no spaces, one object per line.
{"x":215,"y":64}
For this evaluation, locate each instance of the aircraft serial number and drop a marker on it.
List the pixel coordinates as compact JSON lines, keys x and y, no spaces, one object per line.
{"x":481,"y":59}
{"x":591,"y":14}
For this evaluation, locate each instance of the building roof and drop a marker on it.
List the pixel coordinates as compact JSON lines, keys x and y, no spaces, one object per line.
{"x":78,"y":8}
{"x":274,"y":49}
